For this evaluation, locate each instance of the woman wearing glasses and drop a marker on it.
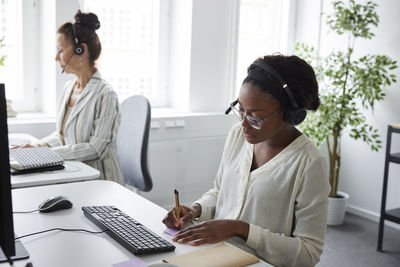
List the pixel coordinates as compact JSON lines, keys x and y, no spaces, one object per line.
{"x":270,"y":194}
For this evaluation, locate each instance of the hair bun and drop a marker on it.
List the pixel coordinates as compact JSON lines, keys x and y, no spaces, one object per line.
{"x":88,"y":20}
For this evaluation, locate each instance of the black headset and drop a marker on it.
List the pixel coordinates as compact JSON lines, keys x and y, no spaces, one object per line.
{"x":78,"y":47}
{"x":294,"y":114}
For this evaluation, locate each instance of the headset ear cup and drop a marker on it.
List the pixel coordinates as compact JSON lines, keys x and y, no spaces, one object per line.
{"x":79,"y":49}
{"x":296,"y":116}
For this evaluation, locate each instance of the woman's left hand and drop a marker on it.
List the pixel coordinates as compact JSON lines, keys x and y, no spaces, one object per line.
{"x":210,"y":232}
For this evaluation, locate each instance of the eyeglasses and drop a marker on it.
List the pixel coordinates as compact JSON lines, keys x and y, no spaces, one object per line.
{"x":254,"y":122}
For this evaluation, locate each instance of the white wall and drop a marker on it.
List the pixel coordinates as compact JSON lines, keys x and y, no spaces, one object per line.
{"x":361,"y":172}
{"x":212,"y":38}
{"x":203,"y":39}
{"x":47,"y":56}
{"x":180,"y":50}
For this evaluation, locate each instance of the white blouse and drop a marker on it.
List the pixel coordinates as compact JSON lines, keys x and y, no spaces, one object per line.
{"x":285,"y":200}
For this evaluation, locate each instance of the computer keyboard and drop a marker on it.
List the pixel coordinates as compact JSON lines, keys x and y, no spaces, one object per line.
{"x":34,"y":159}
{"x":128,"y":232}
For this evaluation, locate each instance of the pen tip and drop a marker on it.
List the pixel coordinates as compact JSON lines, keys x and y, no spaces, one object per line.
{"x":175,"y":191}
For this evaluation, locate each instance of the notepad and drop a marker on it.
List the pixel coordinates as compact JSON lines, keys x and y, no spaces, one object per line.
{"x":171,"y":231}
{"x":222,"y":255}
{"x":34,"y":158}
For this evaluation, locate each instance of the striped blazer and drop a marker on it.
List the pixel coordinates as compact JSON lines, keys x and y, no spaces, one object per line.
{"x":91,"y":128}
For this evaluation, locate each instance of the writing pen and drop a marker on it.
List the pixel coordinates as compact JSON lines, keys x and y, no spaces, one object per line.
{"x":176,"y":196}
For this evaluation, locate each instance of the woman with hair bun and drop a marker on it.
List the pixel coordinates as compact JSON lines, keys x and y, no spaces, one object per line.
{"x":88,"y":111}
{"x":270,"y":194}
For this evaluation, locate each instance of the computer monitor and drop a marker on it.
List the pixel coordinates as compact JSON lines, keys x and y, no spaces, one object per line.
{"x":9,"y":248}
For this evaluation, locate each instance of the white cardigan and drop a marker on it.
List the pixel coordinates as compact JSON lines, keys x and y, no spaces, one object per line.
{"x":90,"y":129}
{"x":285,"y":200}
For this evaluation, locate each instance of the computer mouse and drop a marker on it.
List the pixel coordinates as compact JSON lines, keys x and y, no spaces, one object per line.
{"x":55,"y":203}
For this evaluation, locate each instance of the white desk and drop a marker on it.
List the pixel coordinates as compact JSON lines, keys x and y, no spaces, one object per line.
{"x":82,"y":249}
{"x":74,"y":171}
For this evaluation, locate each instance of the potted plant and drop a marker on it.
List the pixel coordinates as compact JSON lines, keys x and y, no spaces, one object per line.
{"x":3,"y":57}
{"x":348,"y":85}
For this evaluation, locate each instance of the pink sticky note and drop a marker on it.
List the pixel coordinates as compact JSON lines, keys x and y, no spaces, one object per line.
{"x":171,"y":231}
{"x":135,"y":262}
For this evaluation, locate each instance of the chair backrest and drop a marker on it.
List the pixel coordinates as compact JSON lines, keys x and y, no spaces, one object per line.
{"x":132,"y":142}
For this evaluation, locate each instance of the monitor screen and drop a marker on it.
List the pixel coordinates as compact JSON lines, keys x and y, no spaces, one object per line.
{"x":7,"y":242}
{"x":6,"y":218}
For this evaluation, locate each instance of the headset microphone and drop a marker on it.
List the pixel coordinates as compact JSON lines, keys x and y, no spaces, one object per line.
{"x":66,"y":64}
{"x":229,"y":108}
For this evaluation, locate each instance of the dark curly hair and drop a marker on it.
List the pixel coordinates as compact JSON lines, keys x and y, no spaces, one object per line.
{"x":299,"y":76}
{"x":85,"y":26}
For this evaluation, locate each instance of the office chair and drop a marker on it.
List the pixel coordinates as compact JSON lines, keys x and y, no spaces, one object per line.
{"x":132,"y":142}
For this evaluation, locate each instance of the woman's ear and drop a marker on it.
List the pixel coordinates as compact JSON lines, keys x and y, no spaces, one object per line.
{"x":85,"y":49}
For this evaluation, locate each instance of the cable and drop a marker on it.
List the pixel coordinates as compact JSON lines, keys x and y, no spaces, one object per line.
{"x":25,"y":211}
{"x":9,"y":260}
{"x":61,"y":229}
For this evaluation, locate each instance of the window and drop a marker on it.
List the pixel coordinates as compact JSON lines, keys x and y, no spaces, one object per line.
{"x":10,"y":25}
{"x":259,"y":33}
{"x":129,"y":34}
{"x":17,"y":38}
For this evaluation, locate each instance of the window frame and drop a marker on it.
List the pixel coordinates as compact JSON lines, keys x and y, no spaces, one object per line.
{"x":27,"y":56}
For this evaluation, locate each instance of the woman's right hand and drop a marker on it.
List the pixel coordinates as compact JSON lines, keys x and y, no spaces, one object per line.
{"x":186,"y":215}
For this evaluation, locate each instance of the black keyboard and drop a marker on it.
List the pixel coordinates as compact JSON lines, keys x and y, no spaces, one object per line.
{"x":128,"y":232}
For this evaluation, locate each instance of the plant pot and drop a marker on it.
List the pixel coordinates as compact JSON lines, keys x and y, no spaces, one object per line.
{"x":337,"y":208}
